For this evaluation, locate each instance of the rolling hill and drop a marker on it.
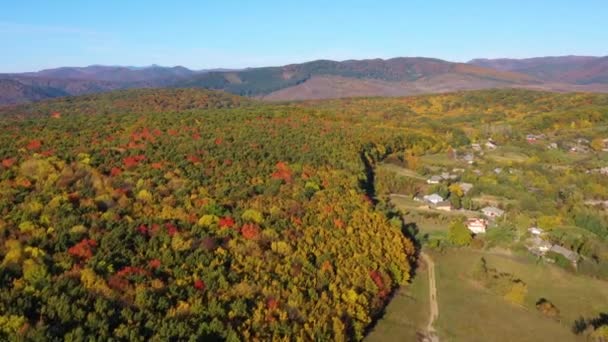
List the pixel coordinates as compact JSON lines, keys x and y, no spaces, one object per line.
{"x":14,"y":92}
{"x":327,"y":79}
{"x":582,"y":70}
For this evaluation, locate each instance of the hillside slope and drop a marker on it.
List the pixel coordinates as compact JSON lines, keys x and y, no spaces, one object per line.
{"x":132,"y":101}
{"x":14,"y":92}
{"x":564,"y":69}
{"x":368,"y":77}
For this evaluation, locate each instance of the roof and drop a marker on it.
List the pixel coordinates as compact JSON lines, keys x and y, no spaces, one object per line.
{"x":465,"y":186}
{"x":572,"y":256}
{"x":535,"y":230}
{"x":433,"y":198}
{"x":493,"y":210}
{"x":476,"y":221}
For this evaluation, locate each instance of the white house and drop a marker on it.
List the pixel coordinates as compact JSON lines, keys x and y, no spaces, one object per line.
{"x":465,"y":187}
{"x":538,"y":246}
{"x":434,"y":180}
{"x":568,"y":254}
{"x":477,"y":225}
{"x":433,"y":199}
{"x":492,"y":212}
{"x":469,"y":158}
{"x":535,"y":231}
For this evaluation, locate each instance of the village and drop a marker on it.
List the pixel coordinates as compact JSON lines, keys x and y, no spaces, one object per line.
{"x":447,"y":194}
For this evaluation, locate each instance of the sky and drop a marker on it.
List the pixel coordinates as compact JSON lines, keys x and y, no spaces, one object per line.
{"x":208,"y":34}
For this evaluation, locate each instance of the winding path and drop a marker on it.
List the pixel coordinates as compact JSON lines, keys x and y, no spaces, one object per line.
{"x":434,"y":307}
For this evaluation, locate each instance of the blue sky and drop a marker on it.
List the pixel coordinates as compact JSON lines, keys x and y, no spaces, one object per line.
{"x":227,"y":33}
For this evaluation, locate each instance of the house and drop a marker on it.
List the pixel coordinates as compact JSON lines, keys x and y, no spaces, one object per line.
{"x":433,"y":199}
{"x":552,"y":146}
{"x":476,"y":147}
{"x":448,"y":176}
{"x":477,"y":225}
{"x":535,"y":231}
{"x":538,"y":246}
{"x":490,"y":145}
{"x":469,"y":158}
{"x":497,"y":170}
{"x":434,"y":180}
{"x":532,"y":138}
{"x":568,"y":254}
{"x":465,"y":187}
{"x":445,"y":206}
{"x":492,"y":212}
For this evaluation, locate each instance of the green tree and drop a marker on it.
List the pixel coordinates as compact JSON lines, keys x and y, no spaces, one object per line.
{"x":459,"y":235}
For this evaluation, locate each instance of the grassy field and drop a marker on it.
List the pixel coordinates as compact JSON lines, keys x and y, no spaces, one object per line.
{"x":428,"y":220}
{"x":506,"y":157}
{"x":401,"y":171}
{"x":441,"y":159}
{"x":406,"y":314}
{"x":468,"y":312}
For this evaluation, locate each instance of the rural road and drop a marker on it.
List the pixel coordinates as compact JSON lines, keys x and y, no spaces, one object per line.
{"x":434,"y":312}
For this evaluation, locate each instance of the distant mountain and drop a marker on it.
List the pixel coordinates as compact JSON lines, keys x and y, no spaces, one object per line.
{"x":564,"y":69}
{"x":393,"y":72}
{"x":67,"y":81}
{"x":323,"y":78}
{"x":13,"y":92}
{"x":113,"y":73}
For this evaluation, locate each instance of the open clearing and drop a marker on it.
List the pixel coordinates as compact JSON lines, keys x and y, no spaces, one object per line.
{"x":401,"y":171}
{"x":469,"y":312}
{"x":406,"y":316}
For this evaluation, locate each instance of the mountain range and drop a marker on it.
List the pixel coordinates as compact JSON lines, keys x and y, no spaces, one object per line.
{"x":320,"y":79}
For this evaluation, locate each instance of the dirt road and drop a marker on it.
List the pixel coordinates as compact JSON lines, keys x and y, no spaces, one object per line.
{"x":434,"y":307}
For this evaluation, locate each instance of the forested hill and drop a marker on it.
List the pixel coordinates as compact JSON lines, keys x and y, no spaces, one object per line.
{"x":232,"y":223}
{"x":131,"y":101}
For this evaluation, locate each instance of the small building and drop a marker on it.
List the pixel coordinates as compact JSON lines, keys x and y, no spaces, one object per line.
{"x":445,"y":206}
{"x":465,"y":187}
{"x":538,"y":246}
{"x":477,"y":225}
{"x":490,"y":145}
{"x":535,"y":231}
{"x":532,"y":138}
{"x":497,"y":170}
{"x":492,"y":212}
{"x":448,"y":176}
{"x":469,"y":158}
{"x":434,"y":180}
{"x":552,"y":146}
{"x":476,"y":147}
{"x":433,"y":199}
{"x":568,"y":254}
